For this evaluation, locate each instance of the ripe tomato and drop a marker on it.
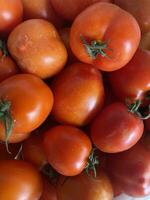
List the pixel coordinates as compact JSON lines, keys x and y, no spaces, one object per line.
{"x":145,"y":42}
{"x":79,"y":94}
{"x":130,"y":169}
{"x":42,"y":54}
{"x":130,"y":83}
{"x":36,"y":9}
{"x":85,"y":187}
{"x":115,"y":129}
{"x":26,"y":101}
{"x":147,"y":122}
{"x":67,"y":149}
{"x":19,"y":180}
{"x":11,"y":12}
{"x":69,"y":9}
{"x":49,"y":191}
{"x":106,"y":42}
{"x":140,"y":9}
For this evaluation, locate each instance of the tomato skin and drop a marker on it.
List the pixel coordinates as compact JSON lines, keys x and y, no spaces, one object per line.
{"x":42,"y":54}
{"x":19,"y":180}
{"x":130,"y":83}
{"x":11,"y":13}
{"x":115,"y":129}
{"x":85,"y":187}
{"x":79,"y":94}
{"x":73,"y":8}
{"x":41,"y":9}
{"x":67,"y":149}
{"x":21,"y":91}
{"x":140,"y":9}
{"x":145,"y":42}
{"x":147,"y":123}
{"x":130,"y":169}
{"x":112,"y":29}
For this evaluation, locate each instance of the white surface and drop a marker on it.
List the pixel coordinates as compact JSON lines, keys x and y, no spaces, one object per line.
{"x":125,"y":197}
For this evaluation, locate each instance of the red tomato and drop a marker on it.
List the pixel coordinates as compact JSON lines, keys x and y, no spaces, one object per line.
{"x":145,"y":42}
{"x":83,"y":187}
{"x":19,"y":180}
{"x":41,"y":9}
{"x":140,"y":9}
{"x":49,"y":191}
{"x":69,"y":9}
{"x":37,"y":48}
{"x":79,"y":94}
{"x":130,"y":83}
{"x":115,"y":129}
{"x":147,"y":122}
{"x":26,"y":101}
{"x":130,"y":169}
{"x":11,"y":12}
{"x":108,"y":41}
{"x":67,"y":149}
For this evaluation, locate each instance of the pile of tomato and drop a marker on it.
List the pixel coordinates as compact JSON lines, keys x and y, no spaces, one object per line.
{"x":74,"y":99}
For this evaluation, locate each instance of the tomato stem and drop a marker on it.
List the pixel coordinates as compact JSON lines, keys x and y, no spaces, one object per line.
{"x":3,"y":47}
{"x":95,"y":47}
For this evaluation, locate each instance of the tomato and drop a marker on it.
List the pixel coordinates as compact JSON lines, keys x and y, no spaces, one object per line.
{"x":140,"y":9}
{"x":85,"y":187}
{"x":73,"y":8}
{"x":11,"y":12}
{"x":130,"y":169}
{"x":37,"y":48}
{"x":67,"y":149}
{"x":26,"y":101}
{"x":147,"y":122}
{"x":41,"y":9}
{"x":79,"y":94}
{"x":65,"y":36}
{"x":108,"y":41}
{"x":130,"y":83}
{"x":19,"y":180}
{"x":115,"y":129}
{"x":49,"y":191}
{"x":145,"y":42}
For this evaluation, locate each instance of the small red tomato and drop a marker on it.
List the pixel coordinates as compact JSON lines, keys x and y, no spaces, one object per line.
{"x":130,"y":169}
{"x":11,"y":13}
{"x":67,"y":149}
{"x":107,"y":42}
{"x":115,"y":129}
{"x":79,"y":94}
{"x":133,"y":80}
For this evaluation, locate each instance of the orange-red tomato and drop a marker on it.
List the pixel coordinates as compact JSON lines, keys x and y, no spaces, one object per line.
{"x":67,"y":149}
{"x":133,"y":80}
{"x":37,"y":48}
{"x":49,"y":191}
{"x":19,"y":180}
{"x":85,"y":187}
{"x":108,"y":41}
{"x":140,"y":9}
{"x":11,"y":13}
{"x":145,"y":42}
{"x":28,"y":100}
{"x":36,"y":9}
{"x":79,"y":94}
{"x":115,"y":129}
{"x":69,"y":9}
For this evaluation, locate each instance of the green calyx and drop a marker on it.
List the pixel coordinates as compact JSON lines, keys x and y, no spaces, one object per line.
{"x":6,"y":119}
{"x":3,"y":47}
{"x":95,"y":47}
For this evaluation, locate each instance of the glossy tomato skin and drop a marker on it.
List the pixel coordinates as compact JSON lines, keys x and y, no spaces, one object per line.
{"x":42,"y":54}
{"x":43,"y":9}
{"x":140,"y":9}
{"x":79,"y":94}
{"x":115,"y":129}
{"x":67,"y":149}
{"x":118,"y":29}
{"x":130,"y":83}
{"x":29,"y":108}
{"x":19,"y":180}
{"x":85,"y":187}
{"x":73,"y":8}
{"x":49,"y":191}
{"x":130,"y":169}
{"x":11,"y":13}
